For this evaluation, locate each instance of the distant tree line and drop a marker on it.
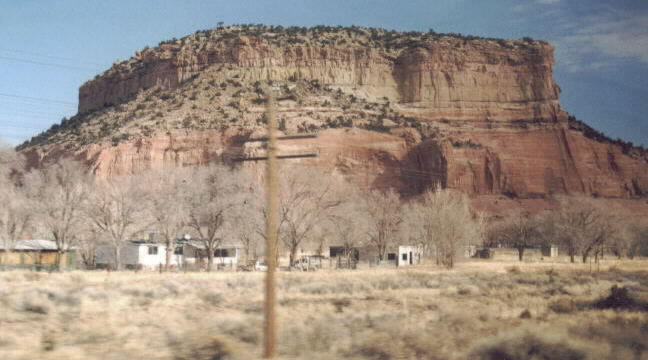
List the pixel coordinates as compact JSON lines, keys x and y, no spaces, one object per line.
{"x":627,"y":147}
{"x":581,"y":227}
{"x":63,"y":202}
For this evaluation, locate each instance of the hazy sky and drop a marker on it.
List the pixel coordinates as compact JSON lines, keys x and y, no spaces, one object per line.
{"x":49,"y":48}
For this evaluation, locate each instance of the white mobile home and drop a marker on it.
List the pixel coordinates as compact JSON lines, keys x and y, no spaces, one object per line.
{"x":227,"y":255}
{"x":137,"y":255}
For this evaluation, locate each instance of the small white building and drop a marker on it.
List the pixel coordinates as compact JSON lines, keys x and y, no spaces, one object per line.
{"x":405,"y":255}
{"x":137,"y":255}
{"x":395,"y":256}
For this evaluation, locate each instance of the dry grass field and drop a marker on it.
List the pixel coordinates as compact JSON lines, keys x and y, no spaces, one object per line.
{"x":481,"y":310}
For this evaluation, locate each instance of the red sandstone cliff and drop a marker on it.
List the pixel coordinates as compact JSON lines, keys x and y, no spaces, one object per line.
{"x":481,"y":116}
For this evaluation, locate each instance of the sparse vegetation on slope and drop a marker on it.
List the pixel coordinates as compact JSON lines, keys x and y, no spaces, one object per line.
{"x":626,"y":146}
{"x":203,"y":104}
{"x":218,"y":97}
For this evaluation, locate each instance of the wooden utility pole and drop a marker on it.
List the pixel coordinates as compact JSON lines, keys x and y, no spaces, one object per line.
{"x":272,"y":201}
{"x":272,"y":219}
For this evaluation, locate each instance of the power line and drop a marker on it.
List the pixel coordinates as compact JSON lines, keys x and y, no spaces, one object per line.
{"x":30,"y":53}
{"x":28,"y":112}
{"x":19,"y":105}
{"x":20,"y":127}
{"x":29,"y":116}
{"x":403,"y":172}
{"x":68,"y":67}
{"x":37,"y":99}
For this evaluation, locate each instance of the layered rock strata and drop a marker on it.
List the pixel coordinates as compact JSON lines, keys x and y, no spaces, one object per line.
{"x":483,"y":116}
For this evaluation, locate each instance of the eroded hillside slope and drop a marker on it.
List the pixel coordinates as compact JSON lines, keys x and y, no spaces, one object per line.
{"x":403,"y":110}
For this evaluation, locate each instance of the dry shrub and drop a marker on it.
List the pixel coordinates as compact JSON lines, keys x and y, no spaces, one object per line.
{"x":513,"y":269}
{"x":37,"y":304}
{"x":77,"y":278}
{"x":340,"y":304}
{"x":427,"y":313}
{"x":201,"y":347}
{"x":562,"y":305}
{"x":628,"y":337}
{"x":386,"y":346}
{"x":526,"y":314}
{"x":48,"y":342}
{"x":212,"y":298}
{"x":32,"y":276}
{"x":620,"y":299}
{"x":464,"y":290}
{"x":527,"y":347}
{"x":248,"y":332}
{"x":307,"y":335}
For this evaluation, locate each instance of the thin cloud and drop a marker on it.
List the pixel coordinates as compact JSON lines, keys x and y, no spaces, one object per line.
{"x":538,"y":6}
{"x":607,"y":38}
{"x":521,"y":8}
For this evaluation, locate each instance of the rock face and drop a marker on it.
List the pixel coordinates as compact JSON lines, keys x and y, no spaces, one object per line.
{"x":445,"y":79}
{"x":523,"y":164}
{"x":482,"y":116}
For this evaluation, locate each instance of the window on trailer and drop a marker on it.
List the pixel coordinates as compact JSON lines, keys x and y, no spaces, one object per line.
{"x":336,"y":251}
{"x":152,"y":250}
{"x":221,"y":253}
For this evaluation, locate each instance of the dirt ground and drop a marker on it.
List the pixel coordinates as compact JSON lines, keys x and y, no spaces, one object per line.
{"x":480,"y":309}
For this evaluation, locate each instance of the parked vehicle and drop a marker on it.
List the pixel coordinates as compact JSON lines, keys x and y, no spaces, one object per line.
{"x":308,"y":263}
{"x":260,"y":266}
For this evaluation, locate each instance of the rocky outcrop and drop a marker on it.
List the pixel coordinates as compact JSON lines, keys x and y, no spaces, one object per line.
{"x":449,"y":78}
{"x":477,"y":115}
{"x":518,"y":164}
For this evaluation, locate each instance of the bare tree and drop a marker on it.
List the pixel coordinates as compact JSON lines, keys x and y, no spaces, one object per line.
{"x":247,"y":223}
{"x":637,"y":239}
{"x":307,"y":197}
{"x":250,"y":221}
{"x":347,"y":226}
{"x":519,"y":230}
{"x":14,"y":212}
{"x":350,"y":231}
{"x":115,"y":210}
{"x":10,"y":162}
{"x":168,"y":198}
{"x":216,"y":194}
{"x":385,"y":215}
{"x":582,"y":226}
{"x":59,"y":193}
{"x":446,"y":223}
{"x":87,"y":244}
{"x":626,"y":235}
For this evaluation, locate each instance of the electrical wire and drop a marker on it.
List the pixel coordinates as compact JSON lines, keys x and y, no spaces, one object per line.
{"x":30,"y":53}
{"x":21,"y":127}
{"x":68,"y":67}
{"x":37,"y":99}
{"x":28,"y":112}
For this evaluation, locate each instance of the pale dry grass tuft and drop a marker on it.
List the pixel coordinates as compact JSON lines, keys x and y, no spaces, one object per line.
{"x":478,"y":310}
